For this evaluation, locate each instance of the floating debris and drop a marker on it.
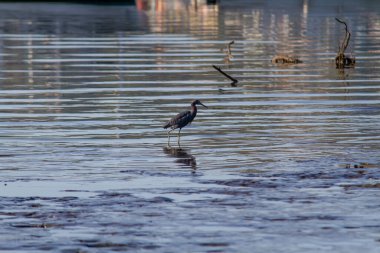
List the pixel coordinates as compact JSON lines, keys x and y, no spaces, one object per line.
{"x":35,"y":225}
{"x":359,"y":166}
{"x":285,"y":59}
{"x":368,"y":186}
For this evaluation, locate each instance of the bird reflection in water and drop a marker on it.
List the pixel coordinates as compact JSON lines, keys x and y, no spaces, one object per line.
{"x":182,"y":155}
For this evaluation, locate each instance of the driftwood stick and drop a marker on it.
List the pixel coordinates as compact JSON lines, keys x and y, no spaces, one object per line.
{"x":234,"y":81}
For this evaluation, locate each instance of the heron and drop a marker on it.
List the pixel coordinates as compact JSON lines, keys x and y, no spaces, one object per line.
{"x":183,"y":119}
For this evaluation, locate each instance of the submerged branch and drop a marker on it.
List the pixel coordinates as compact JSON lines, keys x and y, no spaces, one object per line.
{"x":234,"y":81}
{"x":341,"y":60}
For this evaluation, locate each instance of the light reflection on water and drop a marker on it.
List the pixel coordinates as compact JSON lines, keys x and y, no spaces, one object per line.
{"x":287,"y":159}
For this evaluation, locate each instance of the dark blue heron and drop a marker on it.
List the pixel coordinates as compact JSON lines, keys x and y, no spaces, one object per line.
{"x":183,"y":119}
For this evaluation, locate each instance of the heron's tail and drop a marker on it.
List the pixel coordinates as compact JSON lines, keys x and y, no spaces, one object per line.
{"x":166,"y":125}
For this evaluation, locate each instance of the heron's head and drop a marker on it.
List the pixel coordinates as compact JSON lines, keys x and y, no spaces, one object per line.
{"x":197,"y":102}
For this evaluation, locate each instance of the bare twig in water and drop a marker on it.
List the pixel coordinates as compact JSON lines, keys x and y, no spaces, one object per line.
{"x":282,"y":58}
{"x":229,"y":52}
{"x":346,"y":39}
{"x":341,"y":60}
{"x":234,"y":81}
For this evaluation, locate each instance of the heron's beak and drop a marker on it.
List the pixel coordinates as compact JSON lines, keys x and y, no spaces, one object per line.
{"x":203,"y":105}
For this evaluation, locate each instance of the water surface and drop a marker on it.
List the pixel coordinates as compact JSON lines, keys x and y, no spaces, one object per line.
{"x":288,"y":159}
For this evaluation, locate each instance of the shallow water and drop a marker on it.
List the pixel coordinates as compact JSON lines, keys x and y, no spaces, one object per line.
{"x":288,"y":159}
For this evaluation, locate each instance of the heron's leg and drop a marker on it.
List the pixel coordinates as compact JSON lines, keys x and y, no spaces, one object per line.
{"x":179,"y":135}
{"x":169,"y":135}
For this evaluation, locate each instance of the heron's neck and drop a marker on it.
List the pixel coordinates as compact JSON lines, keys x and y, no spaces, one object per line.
{"x":193,"y":109}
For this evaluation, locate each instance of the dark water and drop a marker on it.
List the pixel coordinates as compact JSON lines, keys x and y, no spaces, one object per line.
{"x":287,"y":160}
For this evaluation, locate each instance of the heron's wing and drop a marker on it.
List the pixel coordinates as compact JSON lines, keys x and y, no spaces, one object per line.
{"x":179,"y":120}
{"x":183,"y":118}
